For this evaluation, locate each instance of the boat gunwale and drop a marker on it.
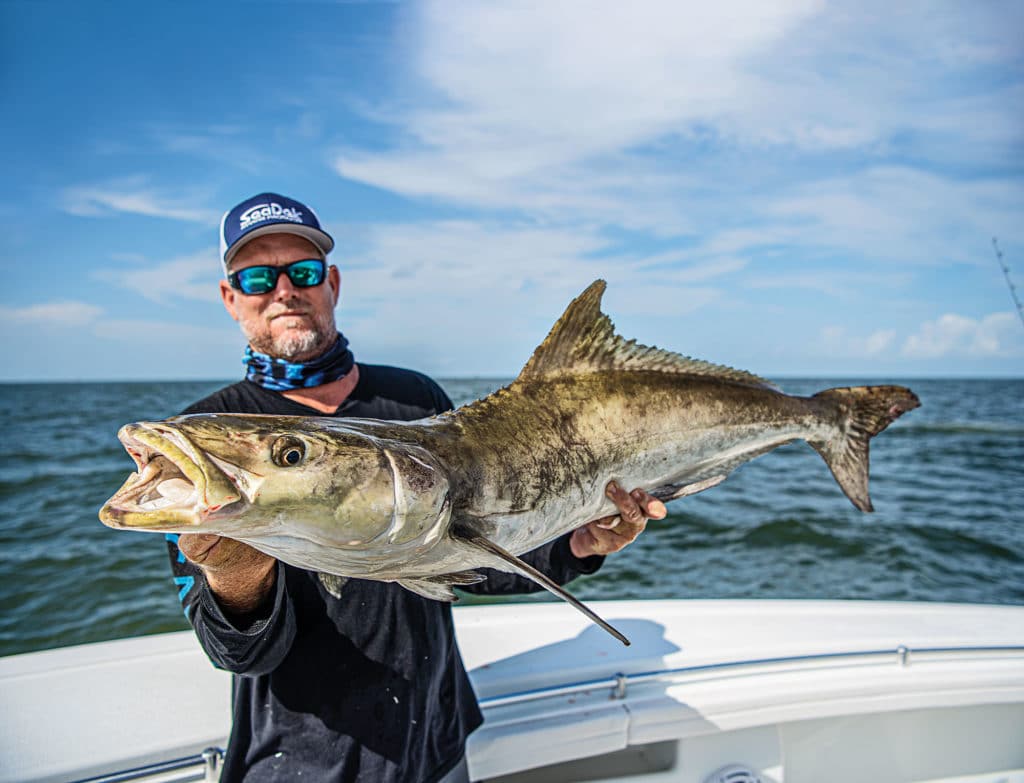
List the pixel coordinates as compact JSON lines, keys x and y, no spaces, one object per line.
{"x":621,"y":680}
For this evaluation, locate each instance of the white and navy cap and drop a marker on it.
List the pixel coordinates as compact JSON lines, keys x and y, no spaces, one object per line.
{"x":269,"y":213}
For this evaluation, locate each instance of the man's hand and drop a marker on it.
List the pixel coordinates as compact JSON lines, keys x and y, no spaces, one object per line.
{"x":241,"y":577}
{"x":610,"y":534}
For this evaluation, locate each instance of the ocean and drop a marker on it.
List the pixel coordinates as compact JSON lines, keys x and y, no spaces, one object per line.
{"x":947,"y":482}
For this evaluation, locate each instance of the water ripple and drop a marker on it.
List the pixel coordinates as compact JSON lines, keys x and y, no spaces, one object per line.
{"x":947,"y":483}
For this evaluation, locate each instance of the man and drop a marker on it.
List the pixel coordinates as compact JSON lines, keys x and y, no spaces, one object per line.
{"x":369,"y":686}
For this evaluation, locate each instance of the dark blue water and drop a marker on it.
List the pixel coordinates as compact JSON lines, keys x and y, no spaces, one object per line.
{"x":947,"y":484}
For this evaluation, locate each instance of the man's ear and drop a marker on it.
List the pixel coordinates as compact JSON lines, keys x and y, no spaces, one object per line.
{"x":227,"y":295}
{"x":334,"y":279}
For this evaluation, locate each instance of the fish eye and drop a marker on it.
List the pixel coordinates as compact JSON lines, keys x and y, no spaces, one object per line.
{"x":287,"y":451}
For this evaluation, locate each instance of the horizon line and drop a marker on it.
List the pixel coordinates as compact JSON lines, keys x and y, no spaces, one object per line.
{"x":510,"y":378}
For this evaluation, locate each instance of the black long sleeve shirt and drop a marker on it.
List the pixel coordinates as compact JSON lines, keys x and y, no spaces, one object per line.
{"x":368,"y":687}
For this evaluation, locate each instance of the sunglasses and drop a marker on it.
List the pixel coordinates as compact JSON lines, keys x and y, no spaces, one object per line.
{"x":252,"y":280}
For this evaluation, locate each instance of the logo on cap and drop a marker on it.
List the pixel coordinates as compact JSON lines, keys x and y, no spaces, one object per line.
{"x":272,"y":211}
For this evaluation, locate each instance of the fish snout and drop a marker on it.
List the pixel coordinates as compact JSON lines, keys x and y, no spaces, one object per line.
{"x":175,"y":488}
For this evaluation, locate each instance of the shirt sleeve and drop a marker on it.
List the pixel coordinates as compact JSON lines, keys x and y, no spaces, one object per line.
{"x":257,"y":646}
{"x":441,"y":401}
{"x":553,"y":559}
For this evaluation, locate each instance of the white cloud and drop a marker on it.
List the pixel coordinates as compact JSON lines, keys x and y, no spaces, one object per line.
{"x":900,"y":214}
{"x":459,"y":260}
{"x":520,"y":91}
{"x":57,"y":314}
{"x":211,"y":143}
{"x":82,"y":341}
{"x":531,"y":71}
{"x":995,"y":335}
{"x":94,"y":320}
{"x":199,"y":140}
{"x":752,"y":131}
{"x":189,"y":277}
{"x":465,"y":297}
{"x":171,"y":341}
{"x":133,"y":196}
{"x":833,"y":280}
{"x":837,"y":342}
{"x":768,"y":146}
{"x":514,"y":101}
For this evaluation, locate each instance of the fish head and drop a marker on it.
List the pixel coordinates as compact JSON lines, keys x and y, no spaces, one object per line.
{"x":292,"y":480}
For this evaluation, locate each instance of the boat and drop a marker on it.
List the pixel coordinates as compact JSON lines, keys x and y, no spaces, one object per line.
{"x":710,"y":691}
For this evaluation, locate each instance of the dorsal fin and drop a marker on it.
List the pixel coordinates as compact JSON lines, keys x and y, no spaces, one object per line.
{"x":584,"y":340}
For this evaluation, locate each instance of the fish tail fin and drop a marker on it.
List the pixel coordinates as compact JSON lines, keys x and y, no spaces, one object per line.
{"x":864,"y":411}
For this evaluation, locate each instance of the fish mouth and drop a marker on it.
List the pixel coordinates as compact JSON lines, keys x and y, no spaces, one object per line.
{"x":176,"y":488}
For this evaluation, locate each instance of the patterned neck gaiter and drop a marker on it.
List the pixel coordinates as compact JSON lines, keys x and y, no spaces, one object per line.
{"x":281,"y":375}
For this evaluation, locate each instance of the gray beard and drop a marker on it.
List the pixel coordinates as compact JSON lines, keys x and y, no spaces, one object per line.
{"x":299,"y":346}
{"x":294,"y":346}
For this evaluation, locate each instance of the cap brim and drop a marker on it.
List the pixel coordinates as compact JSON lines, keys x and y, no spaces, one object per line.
{"x":319,"y":238}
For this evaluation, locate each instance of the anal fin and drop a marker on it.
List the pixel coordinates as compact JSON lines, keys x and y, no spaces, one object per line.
{"x":673,"y":491}
{"x":527,"y":570}
{"x":439,"y":588}
{"x":332,"y":583}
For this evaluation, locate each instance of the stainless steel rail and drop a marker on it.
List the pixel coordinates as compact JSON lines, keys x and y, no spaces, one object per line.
{"x":205,"y":766}
{"x":619,"y":682}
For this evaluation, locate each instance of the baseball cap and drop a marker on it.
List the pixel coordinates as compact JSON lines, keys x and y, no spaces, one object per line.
{"x":269,"y":213}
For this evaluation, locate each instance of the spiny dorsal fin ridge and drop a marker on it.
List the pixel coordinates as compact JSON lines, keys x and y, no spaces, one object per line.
{"x":584,"y":340}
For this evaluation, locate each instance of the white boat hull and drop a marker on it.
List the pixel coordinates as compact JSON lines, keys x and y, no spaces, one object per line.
{"x":792,"y":691}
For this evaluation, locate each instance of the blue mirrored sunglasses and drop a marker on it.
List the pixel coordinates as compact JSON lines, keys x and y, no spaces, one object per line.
{"x":306,"y":273}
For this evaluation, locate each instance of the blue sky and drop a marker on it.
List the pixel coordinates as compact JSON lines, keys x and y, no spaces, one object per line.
{"x":797,"y":188}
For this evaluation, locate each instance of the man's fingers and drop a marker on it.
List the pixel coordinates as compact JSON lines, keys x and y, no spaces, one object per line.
{"x":636,"y":505}
{"x":607,"y":541}
{"x":629,"y":509}
{"x":612,"y":533}
{"x":652,"y":507}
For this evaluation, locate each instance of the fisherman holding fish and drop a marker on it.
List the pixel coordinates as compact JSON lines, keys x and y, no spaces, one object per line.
{"x":318,"y":546}
{"x":337,"y":680}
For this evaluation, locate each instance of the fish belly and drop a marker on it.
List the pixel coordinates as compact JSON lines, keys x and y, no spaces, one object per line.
{"x":664,"y":463}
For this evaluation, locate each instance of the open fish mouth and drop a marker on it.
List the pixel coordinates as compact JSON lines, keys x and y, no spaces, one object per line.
{"x":176,"y":486}
{"x":160,"y":484}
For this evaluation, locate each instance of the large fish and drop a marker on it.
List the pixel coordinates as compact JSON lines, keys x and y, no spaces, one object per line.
{"x":425,"y":503}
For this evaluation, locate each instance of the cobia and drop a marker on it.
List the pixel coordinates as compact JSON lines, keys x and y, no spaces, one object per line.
{"x":426,"y":503}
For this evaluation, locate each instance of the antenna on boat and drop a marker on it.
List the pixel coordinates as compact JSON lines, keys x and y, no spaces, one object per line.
{"x":1009,"y":283}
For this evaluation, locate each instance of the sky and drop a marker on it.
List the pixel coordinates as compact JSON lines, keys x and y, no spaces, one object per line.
{"x":798,"y":188}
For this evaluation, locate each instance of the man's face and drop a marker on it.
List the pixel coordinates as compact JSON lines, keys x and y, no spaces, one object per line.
{"x":290,"y":323}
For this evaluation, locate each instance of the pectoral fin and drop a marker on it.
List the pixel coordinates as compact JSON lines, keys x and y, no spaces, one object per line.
{"x":525,"y":569}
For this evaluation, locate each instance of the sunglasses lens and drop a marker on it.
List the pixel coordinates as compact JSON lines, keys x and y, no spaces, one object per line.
{"x":257,"y":279}
{"x":305,"y":274}
{"x":263,"y":279}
